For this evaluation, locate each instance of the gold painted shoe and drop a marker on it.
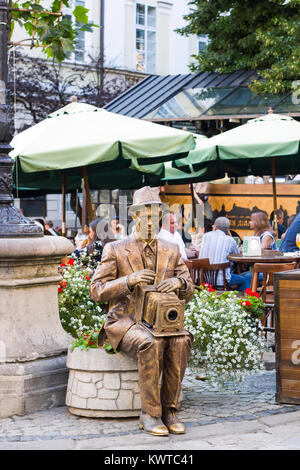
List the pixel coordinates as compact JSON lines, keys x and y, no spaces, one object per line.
{"x":173,"y":424}
{"x":153,"y":425}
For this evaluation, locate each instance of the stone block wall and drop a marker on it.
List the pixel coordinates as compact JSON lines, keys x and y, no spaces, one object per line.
{"x":110,"y":389}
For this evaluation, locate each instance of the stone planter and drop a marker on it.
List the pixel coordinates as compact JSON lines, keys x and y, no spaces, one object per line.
{"x":102,"y":385}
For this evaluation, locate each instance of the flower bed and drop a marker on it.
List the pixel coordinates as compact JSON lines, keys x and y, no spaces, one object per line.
{"x":226,"y":340}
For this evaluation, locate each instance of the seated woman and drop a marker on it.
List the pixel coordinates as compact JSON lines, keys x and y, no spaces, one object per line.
{"x":262,"y":229}
{"x":96,"y":244}
{"x":118,"y":231}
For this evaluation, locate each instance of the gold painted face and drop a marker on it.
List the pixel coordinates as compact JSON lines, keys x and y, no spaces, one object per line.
{"x":147,"y":220}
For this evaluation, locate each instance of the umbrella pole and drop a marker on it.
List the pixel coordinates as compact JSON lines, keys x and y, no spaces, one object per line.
{"x":88,"y":194}
{"x":44,"y":206}
{"x":274,"y":195}
{"x":76,"y":210}
{"x":64,"y":186}
{"x":193,"y":207}
{"x":83,"y":212}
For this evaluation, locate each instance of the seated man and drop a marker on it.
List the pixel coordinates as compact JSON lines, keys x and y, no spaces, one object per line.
{"x":216,"y":246}
{"x":169,"y":233}
{"x":289,"y":241}
{"x":280,"y":221}
{"x":144,"y":260}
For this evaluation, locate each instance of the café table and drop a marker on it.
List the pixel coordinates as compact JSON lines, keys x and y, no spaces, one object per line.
{"x":265,"y":257}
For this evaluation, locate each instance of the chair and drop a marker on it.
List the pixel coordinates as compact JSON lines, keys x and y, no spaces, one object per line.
{"x":210,"y":273}
{"x":266,"y":292}
{"x":195,"y":267}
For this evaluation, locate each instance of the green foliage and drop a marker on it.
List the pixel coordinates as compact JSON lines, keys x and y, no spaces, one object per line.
{"x":55,"y":35}
{"x":86,"y":340}
{"x":251,"y":302}
{"x":259,"y":35}
{"x":89,"y":340}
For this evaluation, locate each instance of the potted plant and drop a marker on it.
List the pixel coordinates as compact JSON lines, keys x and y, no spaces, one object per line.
{"x":225,"y":329}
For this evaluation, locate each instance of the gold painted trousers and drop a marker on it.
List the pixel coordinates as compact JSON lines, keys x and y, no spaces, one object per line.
{"x":167,"y":356}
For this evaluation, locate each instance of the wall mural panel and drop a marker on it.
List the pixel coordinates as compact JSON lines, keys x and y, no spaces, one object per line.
{"x":239,"y":201}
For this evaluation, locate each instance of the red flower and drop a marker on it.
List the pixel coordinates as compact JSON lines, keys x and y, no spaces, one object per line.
{"x":88,"y":278}
{"x":246,"y":303}
{"x":71,"y":261}
{"x":251,"y":293}
{"x":255,"y":294}
{"x":59,"y":289}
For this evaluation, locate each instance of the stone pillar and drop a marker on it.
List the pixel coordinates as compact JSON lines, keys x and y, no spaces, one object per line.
{"x":33,"y":344}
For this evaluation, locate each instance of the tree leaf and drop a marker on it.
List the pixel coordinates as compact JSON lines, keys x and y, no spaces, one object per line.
{"x":80,"y":14}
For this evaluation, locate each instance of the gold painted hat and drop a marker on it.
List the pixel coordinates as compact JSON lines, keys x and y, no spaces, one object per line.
{"x":145,"y":196}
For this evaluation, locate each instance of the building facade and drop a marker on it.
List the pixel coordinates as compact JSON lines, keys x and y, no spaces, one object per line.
{"x":135,"y":39}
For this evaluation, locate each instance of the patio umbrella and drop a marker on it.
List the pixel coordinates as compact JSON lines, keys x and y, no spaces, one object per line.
{"x":107,"y":150}
{"x":266,"y":145}
{"x":80,"y":135}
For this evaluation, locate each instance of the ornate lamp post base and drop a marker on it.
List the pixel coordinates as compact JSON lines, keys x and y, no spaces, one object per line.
{"x":12,"y":221}
{"x":13,"y":224}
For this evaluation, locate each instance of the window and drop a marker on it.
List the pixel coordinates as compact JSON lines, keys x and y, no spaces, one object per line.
{"x":202,"y":42}
{"x":78,"y":54}
{"x":145,"y":38}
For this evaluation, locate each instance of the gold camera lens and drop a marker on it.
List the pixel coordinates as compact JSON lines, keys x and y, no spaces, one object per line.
{"x":172,"y":315}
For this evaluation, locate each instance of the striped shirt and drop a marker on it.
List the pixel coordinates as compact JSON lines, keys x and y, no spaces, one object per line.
{"x":216,"y":246}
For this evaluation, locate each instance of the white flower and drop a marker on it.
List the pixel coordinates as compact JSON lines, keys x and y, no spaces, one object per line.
{"x":225,"y":337}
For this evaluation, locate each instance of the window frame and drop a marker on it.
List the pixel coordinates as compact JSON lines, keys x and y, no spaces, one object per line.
{"x":146,"y":29}
{"x":202,"y":39}
{"x":69,"y":12}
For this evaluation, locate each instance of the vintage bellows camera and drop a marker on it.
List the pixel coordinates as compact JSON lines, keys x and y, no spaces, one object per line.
{"x":161,"y":313}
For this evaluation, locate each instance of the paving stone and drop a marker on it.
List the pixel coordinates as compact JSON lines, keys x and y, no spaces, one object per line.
{"x":247,"y":417}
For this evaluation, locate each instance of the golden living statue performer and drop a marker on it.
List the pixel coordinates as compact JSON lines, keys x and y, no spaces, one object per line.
{"x":126,"y":265}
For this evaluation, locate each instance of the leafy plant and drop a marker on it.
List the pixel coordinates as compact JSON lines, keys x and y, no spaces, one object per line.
{"x":78,"y":312}
{"x":86,"y":340}
{"x":258,"y":35}
{"x":49,"y":28}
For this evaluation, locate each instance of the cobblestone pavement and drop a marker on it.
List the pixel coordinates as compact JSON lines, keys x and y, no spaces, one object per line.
{"x":202,"y":406}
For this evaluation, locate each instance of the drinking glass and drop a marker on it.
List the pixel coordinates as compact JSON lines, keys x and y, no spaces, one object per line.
{"x":298,"y":240}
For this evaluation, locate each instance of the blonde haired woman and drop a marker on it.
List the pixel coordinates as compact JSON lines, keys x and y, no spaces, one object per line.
{"x":260,"y":224}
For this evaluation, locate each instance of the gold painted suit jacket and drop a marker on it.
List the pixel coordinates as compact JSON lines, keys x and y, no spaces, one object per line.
{"x":109,"y":283}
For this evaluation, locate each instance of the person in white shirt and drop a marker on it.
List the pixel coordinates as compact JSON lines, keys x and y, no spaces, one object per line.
{"x":169,"y":233}
{"x":49,"y":227}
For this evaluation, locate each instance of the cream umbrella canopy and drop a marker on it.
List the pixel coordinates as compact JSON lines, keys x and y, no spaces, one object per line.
{"x":269,"y":144}
{"x":80,"y":135}
{"x":80,"y":140}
